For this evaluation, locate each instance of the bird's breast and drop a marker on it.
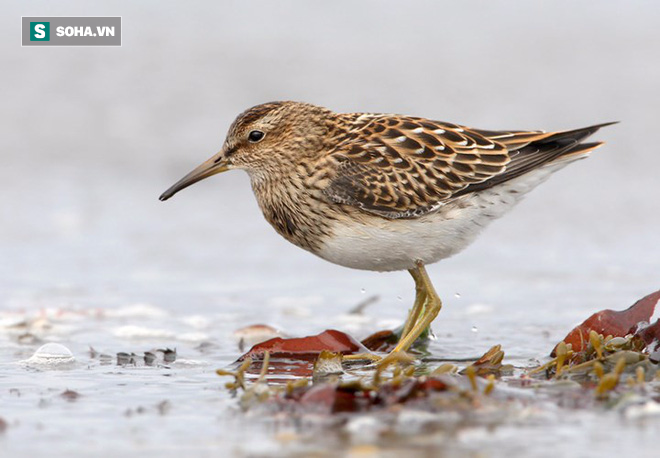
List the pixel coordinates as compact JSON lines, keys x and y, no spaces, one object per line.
{"x":295,"y":214}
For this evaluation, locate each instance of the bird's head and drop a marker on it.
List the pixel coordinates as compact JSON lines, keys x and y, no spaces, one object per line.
{"x":264,"y":139}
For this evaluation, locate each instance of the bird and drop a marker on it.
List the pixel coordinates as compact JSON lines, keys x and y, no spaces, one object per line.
{"x":385,"y":192}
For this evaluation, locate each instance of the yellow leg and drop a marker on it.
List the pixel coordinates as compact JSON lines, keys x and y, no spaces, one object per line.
{"x":420,"y":299}
{"x":433,"y":304}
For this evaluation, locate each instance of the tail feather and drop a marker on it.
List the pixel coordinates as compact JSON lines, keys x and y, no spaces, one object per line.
{"x":568,"y":137}
{"x":581,"y":149}
{"x":533,"y":150}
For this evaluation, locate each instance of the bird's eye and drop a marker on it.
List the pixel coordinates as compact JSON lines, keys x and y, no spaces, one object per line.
{"x":256,"y":136}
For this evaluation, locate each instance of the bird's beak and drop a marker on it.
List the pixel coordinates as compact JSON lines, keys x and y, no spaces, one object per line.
{"x":216,"y":164}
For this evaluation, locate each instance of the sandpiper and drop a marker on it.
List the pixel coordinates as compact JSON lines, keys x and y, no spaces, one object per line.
{"x":385,"y":192}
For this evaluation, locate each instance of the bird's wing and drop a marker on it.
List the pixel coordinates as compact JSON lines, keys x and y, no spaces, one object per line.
{"x":405,"y":167}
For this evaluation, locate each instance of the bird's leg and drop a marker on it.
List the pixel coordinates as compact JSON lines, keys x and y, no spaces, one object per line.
{"x":433,"y":304}
{"x":420,"y":300}
{"x":426,"y":308}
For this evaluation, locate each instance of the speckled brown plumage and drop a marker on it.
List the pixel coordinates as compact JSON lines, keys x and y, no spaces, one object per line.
{"x":385,"y":192}
{"x":314,"y":164}
{"x":402,"y":167}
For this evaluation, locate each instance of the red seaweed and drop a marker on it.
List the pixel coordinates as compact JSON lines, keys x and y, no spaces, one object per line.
{"x":307,"y":348}
{"x":613,"y":323}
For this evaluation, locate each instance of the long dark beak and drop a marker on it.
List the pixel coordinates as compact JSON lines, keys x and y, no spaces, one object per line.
{"x":211,"y":167}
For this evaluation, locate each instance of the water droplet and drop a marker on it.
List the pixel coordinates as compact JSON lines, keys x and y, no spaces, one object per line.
{"x":362,"y":290}
{"x":51,"y":355}
{"x":474,"y":329}
{"x":400,"y":298}
{"x":457,"y":295}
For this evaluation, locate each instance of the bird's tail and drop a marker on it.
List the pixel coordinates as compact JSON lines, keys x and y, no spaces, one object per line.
{"x":568,"y":144}
{"x":531,"y":150}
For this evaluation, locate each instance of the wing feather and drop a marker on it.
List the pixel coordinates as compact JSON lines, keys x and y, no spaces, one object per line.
{"x":405,"y":167}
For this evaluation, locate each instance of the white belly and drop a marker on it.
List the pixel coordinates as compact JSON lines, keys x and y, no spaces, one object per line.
{"x":384,"y":245}
{"x":375,"y":243}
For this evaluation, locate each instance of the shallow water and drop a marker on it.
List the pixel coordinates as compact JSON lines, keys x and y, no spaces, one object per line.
{"x":90,"y":137}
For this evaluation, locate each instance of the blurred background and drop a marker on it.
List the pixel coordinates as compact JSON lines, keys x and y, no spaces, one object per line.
{"x":89,"y":138}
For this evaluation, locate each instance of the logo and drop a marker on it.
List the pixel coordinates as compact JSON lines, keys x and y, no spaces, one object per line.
{"x":71,"y":31}
{"x":39,"y":31}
